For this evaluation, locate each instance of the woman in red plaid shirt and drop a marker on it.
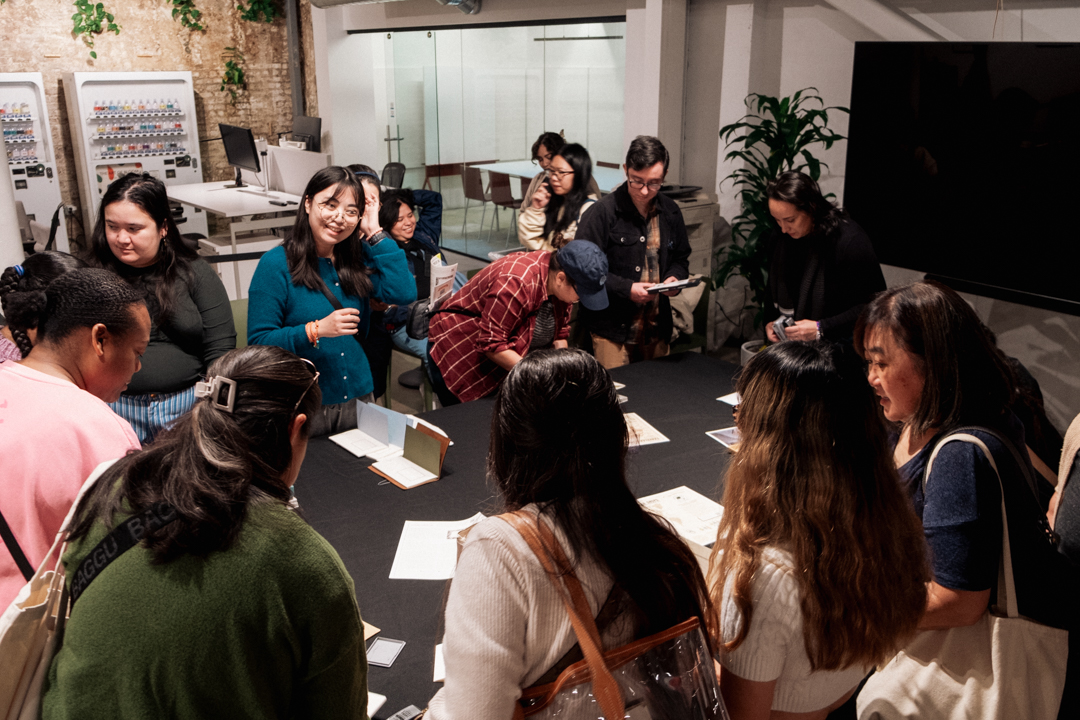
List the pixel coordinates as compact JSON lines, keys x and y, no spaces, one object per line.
{"x":518,"y":303}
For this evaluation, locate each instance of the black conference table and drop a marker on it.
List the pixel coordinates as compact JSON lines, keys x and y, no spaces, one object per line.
{"x":363,"y":519}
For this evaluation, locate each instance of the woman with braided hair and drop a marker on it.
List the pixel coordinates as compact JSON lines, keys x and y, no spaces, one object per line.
{"x":19,"y":298}
{"x":92,"y":329}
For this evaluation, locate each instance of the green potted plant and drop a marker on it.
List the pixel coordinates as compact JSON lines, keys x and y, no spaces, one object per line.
{"x":775,"y":137}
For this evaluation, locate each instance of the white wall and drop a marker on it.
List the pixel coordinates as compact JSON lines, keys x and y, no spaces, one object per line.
{"x":781,"y":46}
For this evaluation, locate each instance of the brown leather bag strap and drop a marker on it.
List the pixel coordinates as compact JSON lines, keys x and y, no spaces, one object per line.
{"x":605,"y":689}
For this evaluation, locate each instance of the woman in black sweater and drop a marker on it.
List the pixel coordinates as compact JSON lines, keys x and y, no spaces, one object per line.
{"x":822,"y":267}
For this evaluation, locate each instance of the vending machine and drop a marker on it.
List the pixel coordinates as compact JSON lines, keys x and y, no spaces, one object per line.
{"x":31,"y":155}
{"x":124,"y":122}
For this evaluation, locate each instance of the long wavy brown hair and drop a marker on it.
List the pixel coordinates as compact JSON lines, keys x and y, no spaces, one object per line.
{"x":813,"y":475}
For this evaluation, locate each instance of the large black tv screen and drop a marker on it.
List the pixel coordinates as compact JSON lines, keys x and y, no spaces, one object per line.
{"x":962,"y":162}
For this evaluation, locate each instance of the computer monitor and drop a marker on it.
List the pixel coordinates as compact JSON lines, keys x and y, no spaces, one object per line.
{"x":309,"y":130}
{"x":240,"y":150}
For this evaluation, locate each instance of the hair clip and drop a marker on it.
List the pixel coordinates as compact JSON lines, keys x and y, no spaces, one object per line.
{"x":365,"y":173}
{"x":19,"y":270}
{"x":220,"y":390}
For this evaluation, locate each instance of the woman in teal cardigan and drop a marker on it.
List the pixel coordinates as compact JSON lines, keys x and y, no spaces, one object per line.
{"x":336,"y":247}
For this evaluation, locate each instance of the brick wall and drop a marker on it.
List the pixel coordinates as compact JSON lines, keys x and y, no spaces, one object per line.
{"x":35,"y":36}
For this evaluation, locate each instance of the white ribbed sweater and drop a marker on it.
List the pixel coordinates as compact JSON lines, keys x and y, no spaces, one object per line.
{"x":774,"y":648}
{"x":505,"y":624}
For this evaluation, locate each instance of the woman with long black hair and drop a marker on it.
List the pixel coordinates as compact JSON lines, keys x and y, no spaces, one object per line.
{"x":558,"y":452}
{"x":230,"y":604}
{"x":136,"y":238}
{"x":311,"y":295}
{"x":551,"y":220}
{"x":822,"y":267}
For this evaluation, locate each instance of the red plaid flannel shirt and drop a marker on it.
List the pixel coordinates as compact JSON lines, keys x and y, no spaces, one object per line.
{"x":502,"y":300}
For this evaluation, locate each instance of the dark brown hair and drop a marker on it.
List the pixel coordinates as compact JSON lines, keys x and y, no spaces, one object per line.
{"x":800,"y":190}
{"x":212,"y":463}
{"x":966,"y":379}
{"x":814,"y":476}
{"x":645,"y":151}
{"x":553,"y":141}
{"x":21,"y":295}
{"x":173,"y":264}
{"x":300,"y":250}
{"x":558,"y":439}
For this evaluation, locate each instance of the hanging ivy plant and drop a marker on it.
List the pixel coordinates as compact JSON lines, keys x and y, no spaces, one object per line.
{"x":259,"y":10}
{"x":233,"y":79}
{"x":188,"y":15}
{"x":91,"y":20}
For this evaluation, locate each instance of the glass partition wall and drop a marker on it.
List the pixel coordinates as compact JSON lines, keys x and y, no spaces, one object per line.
{"x":465,"y":97}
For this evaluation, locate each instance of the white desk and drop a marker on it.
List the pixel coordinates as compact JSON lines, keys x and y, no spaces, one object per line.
{"x":607,"y":179}
{"x":238,"y":205}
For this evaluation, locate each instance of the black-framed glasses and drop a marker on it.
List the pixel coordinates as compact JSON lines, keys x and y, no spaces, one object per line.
{"x":652,"y":185}
{"x":314,"y":380}
{"x":560,"y":173}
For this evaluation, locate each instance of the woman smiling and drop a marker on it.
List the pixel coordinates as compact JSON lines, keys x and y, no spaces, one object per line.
{"x":311,"y":295}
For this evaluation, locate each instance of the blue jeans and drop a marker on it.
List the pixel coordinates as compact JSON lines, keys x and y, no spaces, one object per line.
{"x":403,"y":342}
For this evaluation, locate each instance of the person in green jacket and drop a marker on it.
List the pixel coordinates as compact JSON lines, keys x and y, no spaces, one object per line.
{"x":235,"y":608}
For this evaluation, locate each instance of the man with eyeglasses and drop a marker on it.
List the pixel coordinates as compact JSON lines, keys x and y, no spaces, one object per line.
{"x":644,"y":237}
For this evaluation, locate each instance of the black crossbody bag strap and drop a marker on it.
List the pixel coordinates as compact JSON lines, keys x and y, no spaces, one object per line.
{"x":124,"y":536}
{"x":16,"y":552}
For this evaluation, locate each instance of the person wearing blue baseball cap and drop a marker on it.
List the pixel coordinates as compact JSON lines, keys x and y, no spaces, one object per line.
{"x":517,"y":304}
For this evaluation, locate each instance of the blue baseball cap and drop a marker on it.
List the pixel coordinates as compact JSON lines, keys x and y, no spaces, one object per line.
{"x":586,"y":264}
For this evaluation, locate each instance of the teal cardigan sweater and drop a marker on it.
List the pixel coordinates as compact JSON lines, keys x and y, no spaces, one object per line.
{"x":278,"y":310}
{"x":267,"y":629}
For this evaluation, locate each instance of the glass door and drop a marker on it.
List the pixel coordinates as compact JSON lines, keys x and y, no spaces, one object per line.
{"x":412,"y":127}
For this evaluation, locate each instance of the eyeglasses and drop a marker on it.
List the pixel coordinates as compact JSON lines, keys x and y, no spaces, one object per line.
{"x":330,"y":209}
{"x":652,"y":185}
{"x":313,"y":381}
{"x":560,"y":173}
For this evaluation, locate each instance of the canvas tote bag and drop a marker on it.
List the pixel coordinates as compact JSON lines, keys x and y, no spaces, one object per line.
{"x":1003,"y":666}
{"x":32,"y":627}
{"x":666,"y":676}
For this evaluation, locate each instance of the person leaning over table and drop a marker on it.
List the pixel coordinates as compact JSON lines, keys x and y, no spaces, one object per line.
{"x":552,"y":218}
{"x":515,"y":305}
{"x":643,"y":235}
{"x":231,"y":605}
{"x":934,"y":367}
{"x":558,"y":453}
{"x":336,"y":247}
{"x":822,"y":267}
{"x":136,"y":238}
{"x":55,"y":428}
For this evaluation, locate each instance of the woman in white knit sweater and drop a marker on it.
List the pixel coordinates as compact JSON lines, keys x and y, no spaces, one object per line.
{"x":552,"y":218}
{"x":558,"y":448}
{"x":819,"y":568}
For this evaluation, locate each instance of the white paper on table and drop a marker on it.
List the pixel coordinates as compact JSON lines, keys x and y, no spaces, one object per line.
{"x":379,"y":434}
{"x":619,"y":385}
{"x":440,"y":665}
{"x":358,"y":443}
{"x":694,"y":516}
{"x":730,"y":398}
{"x":428,"y":550}
{"x":641,"y":432}
{"x":374,"y":702}
{"x":403,"y":471}
{"x":728,"y":437}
